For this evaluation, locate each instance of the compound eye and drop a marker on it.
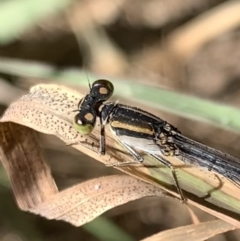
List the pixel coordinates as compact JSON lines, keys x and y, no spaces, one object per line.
{"x":102,"y":89}
{"x":84,"y":122}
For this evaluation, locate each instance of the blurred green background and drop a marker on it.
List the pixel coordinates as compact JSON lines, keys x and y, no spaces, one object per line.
{"x":188,"y":48}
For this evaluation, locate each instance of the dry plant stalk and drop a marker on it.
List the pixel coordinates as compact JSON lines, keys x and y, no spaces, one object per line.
{"x":199,"y":232}
{"x":49,"y":109}
{"x":186,"y":40}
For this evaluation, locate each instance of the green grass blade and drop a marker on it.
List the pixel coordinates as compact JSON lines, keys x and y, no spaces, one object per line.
{"x":184,"y":105}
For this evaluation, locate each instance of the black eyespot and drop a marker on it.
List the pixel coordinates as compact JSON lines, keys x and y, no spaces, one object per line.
{"x":87,"y":116}
{"x":102,"y":90}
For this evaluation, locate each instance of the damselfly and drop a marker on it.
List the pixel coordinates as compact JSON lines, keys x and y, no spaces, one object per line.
{"x":137,"y":129}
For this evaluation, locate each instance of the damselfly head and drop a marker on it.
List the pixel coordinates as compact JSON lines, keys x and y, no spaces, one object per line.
{"x":88,"y":107}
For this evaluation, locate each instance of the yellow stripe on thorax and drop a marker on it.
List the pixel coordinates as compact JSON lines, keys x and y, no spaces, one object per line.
{"x":144,"y":130}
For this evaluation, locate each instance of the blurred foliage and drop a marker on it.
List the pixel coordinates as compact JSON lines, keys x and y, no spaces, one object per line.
{"x":137,"y":40}
{"x":22,"y":15}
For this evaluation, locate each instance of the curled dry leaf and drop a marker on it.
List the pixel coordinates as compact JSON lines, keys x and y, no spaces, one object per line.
{"x":49,"y":109}
{"x":200,"y":232}
{"x":84,"y":202}
{"x":30,"y":176}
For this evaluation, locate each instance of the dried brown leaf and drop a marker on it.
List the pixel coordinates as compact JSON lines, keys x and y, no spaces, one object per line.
{"x":200,"y":232}
{"x":30,"y":176}
{"x":49,"y":109}
{"x":84,"y":202}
